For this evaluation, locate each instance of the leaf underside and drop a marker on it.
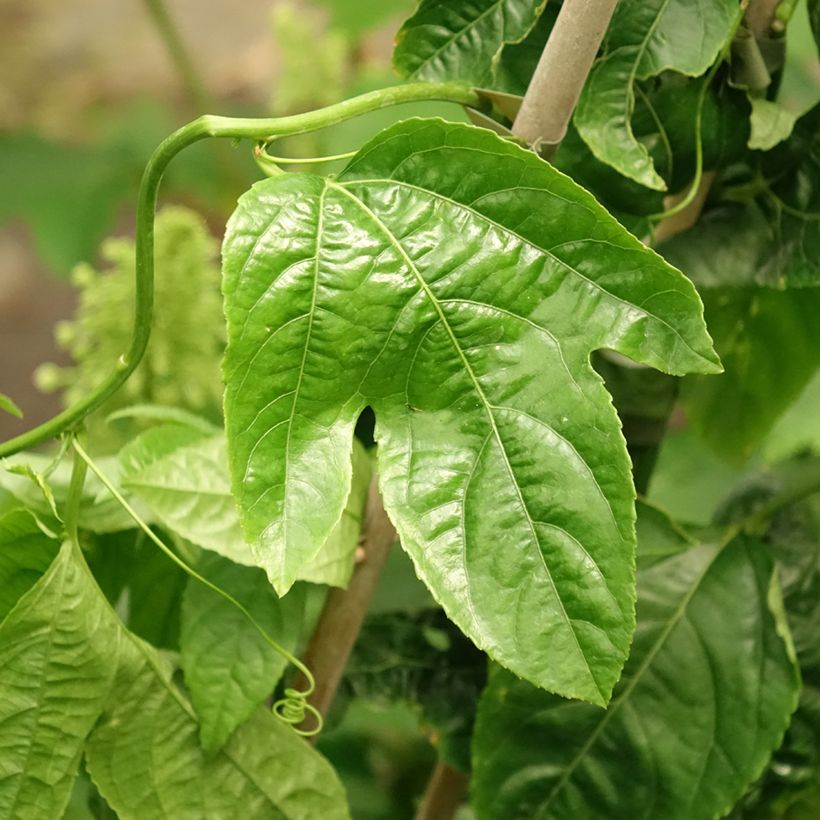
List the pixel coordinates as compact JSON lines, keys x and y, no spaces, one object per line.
{"x":181,"y":475}
{"x":74,"y":681}
{"x":457,"y":285}
{"x":229,"y":668}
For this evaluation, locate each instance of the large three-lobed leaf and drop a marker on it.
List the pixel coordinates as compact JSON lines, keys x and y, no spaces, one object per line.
{"x":457,"y":284}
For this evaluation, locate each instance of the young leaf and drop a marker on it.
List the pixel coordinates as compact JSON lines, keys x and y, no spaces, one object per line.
{"x":461,"y":41}
{"x":26,"y":482}
{"x":145,"y":758}
{"x":462,"y":305}
{"x":39,"y":480}
{"x":644,"y":39}
{"x":229,"y":668}
{"x":58,"y":653}
{"x":771,"y":124}
{"x":706,"y":696}
{"x":752,"y":328}
{"x":25,"y":554}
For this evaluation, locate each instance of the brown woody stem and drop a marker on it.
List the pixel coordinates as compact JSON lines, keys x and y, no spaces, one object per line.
{"x":445,"y":792}
{"x":344,"y":609}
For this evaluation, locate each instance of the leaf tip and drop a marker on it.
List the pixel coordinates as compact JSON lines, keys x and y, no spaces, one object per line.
{"x":10,"y":406}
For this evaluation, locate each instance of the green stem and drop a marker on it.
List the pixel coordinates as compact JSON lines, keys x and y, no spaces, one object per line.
{"x":783,"y":14}
{"x":71,"y":514}
{"x":226,"y":127}
{"x":695,"y":186}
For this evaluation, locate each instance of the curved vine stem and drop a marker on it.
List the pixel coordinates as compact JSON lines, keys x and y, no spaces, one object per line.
{"x":204,"y":127}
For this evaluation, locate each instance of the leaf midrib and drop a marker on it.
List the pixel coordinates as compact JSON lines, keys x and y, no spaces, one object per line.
{"x":487,"y":408}
{"x":529,"y":243}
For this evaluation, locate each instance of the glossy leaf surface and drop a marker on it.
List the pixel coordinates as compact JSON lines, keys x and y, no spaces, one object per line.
{"x":229,"y":668}
{"x":461,"y":40}
{"x":58,"y":654}
{"x":706,"y":696}
{"x":457,"y":284}
{"x":145,"y":758}
{"x":644,"y":39}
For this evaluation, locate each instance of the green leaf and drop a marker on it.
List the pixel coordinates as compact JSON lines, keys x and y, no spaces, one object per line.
{"x":229,"y":668}
{"x":515,"y":65}
{"x":766,"y":232}
{"x":98,"y":511}
{"x":794,"y":539}
{"x":25,"y":554}
{"x":39,"y":480}
{"x":692,"y":723}
{"x":65,"y":660}
{"x":334,"y":562}
{"x":181,"y":475}
{"x":9,"y":406}
{"x":155,"y":587}
{"x":752,"y":329}
{"x":164,"y":414}
{"x":771,"y":124}
{"x":463,"y":309}
{"x":644,"y":39}
{"x":461,"y":41}
{"x":145,"y":759}
{"x":59,"y":648}
{"x":659,"y":537}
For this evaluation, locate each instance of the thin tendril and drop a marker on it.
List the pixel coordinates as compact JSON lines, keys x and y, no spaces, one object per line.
{"x":293,"y":708}
{"x":234,"y":128}
{"x":695,"y":186}
{"x":261,"y":154}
